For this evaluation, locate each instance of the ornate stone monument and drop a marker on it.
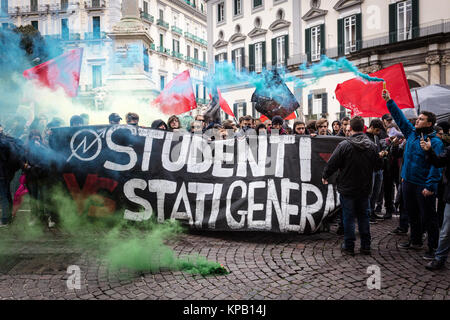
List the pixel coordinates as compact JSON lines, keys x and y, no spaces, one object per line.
{"x":130,"y":72}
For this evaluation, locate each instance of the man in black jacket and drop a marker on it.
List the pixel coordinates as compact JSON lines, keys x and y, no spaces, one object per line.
{"x":440,"y":161}
{"x":356,"y":158}
{"x":9,"y":164}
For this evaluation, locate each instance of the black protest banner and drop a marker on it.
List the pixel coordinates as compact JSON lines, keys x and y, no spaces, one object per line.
{"x":266,"y":182}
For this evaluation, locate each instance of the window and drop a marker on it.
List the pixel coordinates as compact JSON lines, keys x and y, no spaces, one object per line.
{"x":33,"y":5}
{"x":222,"y":57}
{"x":64,"y":4}
{"x":281,"y":54}
{"x":64,"y":29}
{"x":96,"y":27}
{"x":238,"y":59}
{"x":315,"y":43}
{"x":317,"y":104}
{"x":188,"y":51}
{"x":197,"y":87}
{"x":195,"y":54}
{"x":404,"y":18}
{"x":258,"y":57}
{"x":96,"y":76}
{"x":162,"y":80}
{"x":237,"y":10}
{"x":221,"y":12}
{"x":4,"y":7}
{"x":35,"y":24}
{"x":350,"y":34}
{"x":145,"y":7}
{"x":257,"y":3}
{"x":204,"y":56}
{"x":175,"y":20}
{"x":161,"y":14}
{"x":240,"y":110}
{"x":176,"y":46}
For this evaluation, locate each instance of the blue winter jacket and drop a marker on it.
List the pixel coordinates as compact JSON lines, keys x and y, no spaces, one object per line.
{"x":415,"y":168}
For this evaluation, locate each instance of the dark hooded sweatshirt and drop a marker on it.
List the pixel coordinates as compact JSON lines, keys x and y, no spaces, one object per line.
{"x":355,"y":159}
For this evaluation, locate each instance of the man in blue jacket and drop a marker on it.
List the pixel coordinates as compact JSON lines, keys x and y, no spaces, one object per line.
{"x":420,"y":178}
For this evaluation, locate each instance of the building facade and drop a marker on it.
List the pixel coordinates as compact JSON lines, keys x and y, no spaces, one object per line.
{"x":177,"y":28}
{"x":372,"y":34}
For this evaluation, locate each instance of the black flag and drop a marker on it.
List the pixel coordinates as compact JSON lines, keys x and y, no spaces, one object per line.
{"x":274,"y":98}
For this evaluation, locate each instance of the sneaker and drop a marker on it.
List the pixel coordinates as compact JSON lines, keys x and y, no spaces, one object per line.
{"x":365,"y":251}
{"x":377,"y":209}
{"x":372,"y":220}
{"x":435,"y":265}
{"x":429,"y":255}
{"x":378,"y":217}
{"x":399,"y":231}
{"x":387,"y":216}
{"x":408,"y":245}
{"x":344,"y":250}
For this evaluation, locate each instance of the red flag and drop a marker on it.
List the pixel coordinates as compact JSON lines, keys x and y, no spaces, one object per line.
{"x":364,"y":98}
{"x":224,"y":105}
{"x":60,"y":72}
{"x":177,"y":96}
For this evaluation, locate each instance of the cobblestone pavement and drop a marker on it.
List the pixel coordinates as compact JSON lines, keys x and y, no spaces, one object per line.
{"x":262,"y":265}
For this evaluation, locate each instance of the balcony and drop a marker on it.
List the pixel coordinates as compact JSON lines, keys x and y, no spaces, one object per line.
{"x":94,"y":5}
{"x":177,"y":55}
{"x":161,"y":23}
{"x":152,"y":46}
{"x":163,"y":50}
{"x":64,"y":37}
{"x":94,"y":35}
{"x":147,"y":17}
{"x":177,"y":30}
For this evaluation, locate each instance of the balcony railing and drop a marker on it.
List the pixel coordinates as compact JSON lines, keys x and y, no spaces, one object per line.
{"x":94,"y":4}
{"x":177,"y":55}
{"x":163,"y":50}
{"x":162,"y":23}
{"x":94,"y":35}
{"x":64,"y":37}
{"x":147,"y":17}
{"x":177,"y":30}
{"x":152,"y":46}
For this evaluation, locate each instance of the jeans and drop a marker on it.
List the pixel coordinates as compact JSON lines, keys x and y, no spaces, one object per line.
{"x":6,"y":200}
{"x":403,"y":222}
{"x":356,"y":208}
{"x":376,"y":188}
{"x":422,"y":214}
{"x":444,"y":238}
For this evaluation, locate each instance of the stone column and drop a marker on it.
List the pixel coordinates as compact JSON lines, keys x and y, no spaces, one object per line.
{"x":445,"y":70}
{"x":434,"y":73}
{"x":130,"y":9}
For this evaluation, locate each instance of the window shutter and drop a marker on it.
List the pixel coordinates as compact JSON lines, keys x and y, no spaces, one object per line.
{"x":251,"y":57}
{"x":243,"y":58}
{"x":322,"y":39}
{"x":393,"y":23}
{"x":235,"y":109}
{"x":286,"y":49}
{"x":274,"y":51}
{"x":310,"y":107}
{"x":233,"y":56}
{"x":341,"y":44}
{"x":216,"y":57}
{"x":324,"y":103}
{"x":308,"y":43}
{"x":358,"y":31}
{"x":415,"y":18}
{"x":264,"y":64}
{"x":245,"y":108}
{"x":225,"y":57}
{"x":173,"y":45}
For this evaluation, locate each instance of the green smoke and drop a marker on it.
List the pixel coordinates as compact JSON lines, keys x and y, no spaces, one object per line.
{"x":134,"y":246}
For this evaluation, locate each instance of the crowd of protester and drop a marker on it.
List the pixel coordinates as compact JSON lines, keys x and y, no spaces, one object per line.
{"x":396,"y":163}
